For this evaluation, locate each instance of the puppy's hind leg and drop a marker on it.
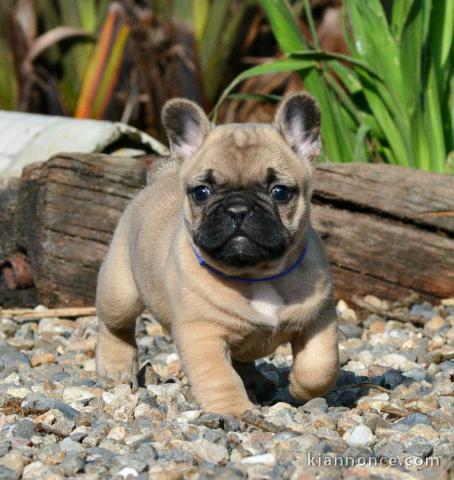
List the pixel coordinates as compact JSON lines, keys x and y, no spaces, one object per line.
{"x":118,"y":305}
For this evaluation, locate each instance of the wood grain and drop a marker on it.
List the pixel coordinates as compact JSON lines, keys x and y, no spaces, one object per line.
{"x":411,"y":196}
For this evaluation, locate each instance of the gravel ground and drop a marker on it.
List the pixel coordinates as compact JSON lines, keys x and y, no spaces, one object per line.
{"x":60,"y":420}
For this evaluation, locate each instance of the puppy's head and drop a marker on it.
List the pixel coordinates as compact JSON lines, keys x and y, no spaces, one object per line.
{"x":247,"y":187}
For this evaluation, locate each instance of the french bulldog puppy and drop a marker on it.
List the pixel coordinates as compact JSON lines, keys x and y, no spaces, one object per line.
{"x":220,"y":248}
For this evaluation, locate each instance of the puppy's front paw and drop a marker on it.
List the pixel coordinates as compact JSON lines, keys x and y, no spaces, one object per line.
{"x":229,"y":409}
{"x":119,"y":365}
{"x":311,"y":386}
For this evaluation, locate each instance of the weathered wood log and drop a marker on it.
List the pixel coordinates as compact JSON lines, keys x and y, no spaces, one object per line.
{"x":389,"y":231}
{"x":13,"y":291}
{"x":70,"y":206}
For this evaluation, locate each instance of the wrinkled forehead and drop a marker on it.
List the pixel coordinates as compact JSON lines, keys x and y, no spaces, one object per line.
{"x":240,"y":154}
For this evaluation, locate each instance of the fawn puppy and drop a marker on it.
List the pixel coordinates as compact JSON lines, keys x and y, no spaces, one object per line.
{"x":220,"y":248}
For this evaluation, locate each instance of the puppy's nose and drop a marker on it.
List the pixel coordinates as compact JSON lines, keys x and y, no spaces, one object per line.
{"x":238,"y":211}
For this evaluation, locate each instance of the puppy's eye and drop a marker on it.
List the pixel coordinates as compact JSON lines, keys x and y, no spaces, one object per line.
{"x":201,"y":193}
{"x":281,"y":193}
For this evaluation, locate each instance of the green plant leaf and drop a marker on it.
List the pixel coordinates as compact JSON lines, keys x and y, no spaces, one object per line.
{"x":283,"y":25}
{"x":286,"y":65}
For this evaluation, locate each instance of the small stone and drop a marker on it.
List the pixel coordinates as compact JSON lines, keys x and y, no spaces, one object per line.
{"x":341,"y":307}
{"x":410,"y":421}
{"x":351,"y":331}
{"x":265,"y":459}
{"x":147,"y":375}
{"x":143,"y":410}
{"x":70,"y":446}
{"x":415,"y":374}
{"x":447,"y":352}
{"x":154,"y":329}
{"x":231,"y":424}
{"x":40,"y":359}
{"x":117,"y":433}
{"x":148,"y":452}
{"x":422,"y":310}
{"x":209,"y":452}
{"x":90,"y":365}
{"x":108,"y":397}
{"x":349,"y":316}
{"x":425,"y":431}
{"x":68,"y":411}
{"x":13,"y":461}
{"x":7,"y":474}
{"x":77,"y":394}
{"x":448,"y":302}
{"x":128,"y":472}
{"x":25,"y":428}
{"x":37,"y":470}
{"x":388,"y":448}
{"x":420,"y":449}
{"x":376,"y":402}
{"x":377,"y":326}
{"x":21,"y":343}
{"x":434,"y":324}
{"x":12,"y":378}
{"x":191,"y":415}
{"x":322,"y":419}
{"x":72,"y":464}
{"x":373,"y":301}
{"x":57,"y":326}
{"x":396,"y":361}
{"x":18,"y":392}
{"x":392,"y":379}
{"x":359,"y":436}
{"x":315,"y":403}
{"x":210,"y":420}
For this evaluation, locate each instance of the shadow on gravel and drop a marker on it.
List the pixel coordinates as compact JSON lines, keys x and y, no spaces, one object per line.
{"x":277,"y":386}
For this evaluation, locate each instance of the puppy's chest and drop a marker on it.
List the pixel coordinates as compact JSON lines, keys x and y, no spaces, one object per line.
{"x":268,"y":302}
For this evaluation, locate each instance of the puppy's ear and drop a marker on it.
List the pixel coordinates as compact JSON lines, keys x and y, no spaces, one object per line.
{"x":186,"y":125}
{"x":298,"y":121}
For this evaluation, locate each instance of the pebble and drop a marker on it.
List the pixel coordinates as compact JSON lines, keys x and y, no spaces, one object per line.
{"x":315,"y":403}
{"x":359,"y":436}
{"x":7,"y":474}
{"x":434,"y":324}
{"x":209,"y":452}
{"x":351,"y":331}
{"x":77,"y":394}
{"x":422,"y":310}
{"x":265,"y":459}
{"x":40,"y":359}
{"x":13,"y":461}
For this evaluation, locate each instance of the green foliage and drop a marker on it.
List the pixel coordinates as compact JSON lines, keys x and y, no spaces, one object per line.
{"x":391,"y":99}
{"x":216,"y":25}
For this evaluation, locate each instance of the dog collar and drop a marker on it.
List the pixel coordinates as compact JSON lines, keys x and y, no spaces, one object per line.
{"x":292,"y":267}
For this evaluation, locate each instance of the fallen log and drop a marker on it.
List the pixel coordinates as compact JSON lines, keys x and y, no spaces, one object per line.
{"x":11,"y":273}
{"x":389,"y":231}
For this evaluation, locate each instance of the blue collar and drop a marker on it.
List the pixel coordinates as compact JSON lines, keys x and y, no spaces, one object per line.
{"x":246,"y":279}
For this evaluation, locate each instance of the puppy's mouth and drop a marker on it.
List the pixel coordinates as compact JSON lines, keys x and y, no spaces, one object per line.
{"x":256,"y":239}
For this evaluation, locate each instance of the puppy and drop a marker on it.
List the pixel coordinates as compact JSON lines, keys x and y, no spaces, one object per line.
{"x":220,"y":248}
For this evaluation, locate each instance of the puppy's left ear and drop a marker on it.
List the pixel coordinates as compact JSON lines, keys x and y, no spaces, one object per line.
{"x":186,"y":125}
{"x":298,"y":121}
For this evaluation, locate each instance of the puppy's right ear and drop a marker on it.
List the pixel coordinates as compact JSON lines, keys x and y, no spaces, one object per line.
{"x":186,"y":125}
